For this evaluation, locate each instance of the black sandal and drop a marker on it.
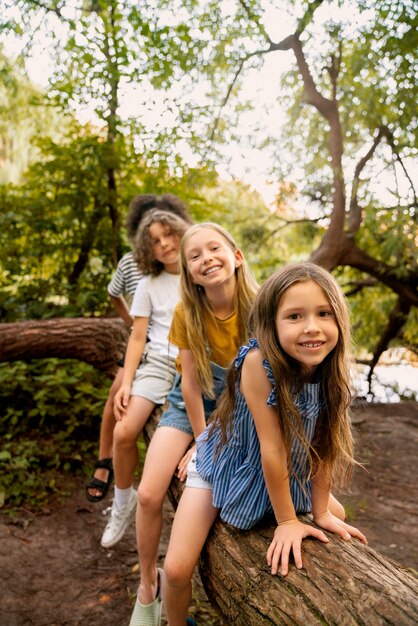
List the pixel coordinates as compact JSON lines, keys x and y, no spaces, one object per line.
{"x":100,"y":485}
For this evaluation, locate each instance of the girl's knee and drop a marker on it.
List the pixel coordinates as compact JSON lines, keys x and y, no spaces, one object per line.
{"x":123,"y":436}
{"x":176,"y":574}
{"x":150,"y":497}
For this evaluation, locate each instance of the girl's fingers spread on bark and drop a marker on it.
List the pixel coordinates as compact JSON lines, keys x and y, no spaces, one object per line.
{"x":275,"y":560}
{"x":319,"y":534}
{"x":297,"y":555}
{"x":354,"y":532}
{"x":284,"y":566}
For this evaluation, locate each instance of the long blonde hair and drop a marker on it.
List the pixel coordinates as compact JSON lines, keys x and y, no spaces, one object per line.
{"x":197,"y":308}
{"x":332,"y":445}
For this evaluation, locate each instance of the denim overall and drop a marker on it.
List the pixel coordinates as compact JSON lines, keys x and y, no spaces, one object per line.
{"x":175,"y":415}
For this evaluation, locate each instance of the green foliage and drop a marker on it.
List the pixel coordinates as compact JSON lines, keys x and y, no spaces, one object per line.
{"x":53,"y":235}
{"x":367,"y":329}
{"x":17,"y":128}
{"x":49,"y":425}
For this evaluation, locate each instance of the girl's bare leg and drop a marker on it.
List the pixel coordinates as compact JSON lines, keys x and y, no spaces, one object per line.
{"x":106,"y":430}
{"x":164,"y":453}
{"x":192,"y":522}
{"x":125,"y":435}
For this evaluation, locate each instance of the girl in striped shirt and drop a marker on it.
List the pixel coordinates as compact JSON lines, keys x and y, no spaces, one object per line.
{"x":281,"y":434}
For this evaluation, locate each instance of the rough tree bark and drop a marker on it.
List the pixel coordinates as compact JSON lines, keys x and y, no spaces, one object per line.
{"x":97,"y":341}
{"x":342,"y":583}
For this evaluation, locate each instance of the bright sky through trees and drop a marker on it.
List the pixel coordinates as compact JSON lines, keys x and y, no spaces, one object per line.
{"x":245,"y":158}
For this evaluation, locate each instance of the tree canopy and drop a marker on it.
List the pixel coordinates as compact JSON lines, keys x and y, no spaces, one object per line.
{"x":168,"y":91}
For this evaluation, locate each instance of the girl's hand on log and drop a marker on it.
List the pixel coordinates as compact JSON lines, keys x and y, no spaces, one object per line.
{"x":182,"y":466}
{"x":288,"y":538}
{"x":121,"y":401}
{"x":330,"y":522}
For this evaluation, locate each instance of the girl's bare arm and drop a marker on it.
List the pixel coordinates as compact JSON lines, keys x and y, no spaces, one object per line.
{"x":256,"y":388}
{"x":192,"y":395}
{"x":290,"y":531}
{"x":122,"y":309}
{"x":133,"y":356}
{"x":322,"y":515}
{"x":192,"y":392}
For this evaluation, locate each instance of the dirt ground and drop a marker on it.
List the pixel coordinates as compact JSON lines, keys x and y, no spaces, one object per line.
{"x":53,"y":571}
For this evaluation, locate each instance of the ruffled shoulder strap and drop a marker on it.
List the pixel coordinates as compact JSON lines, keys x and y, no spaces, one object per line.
{"x":271,"y":400}
{"x":243,"y":351}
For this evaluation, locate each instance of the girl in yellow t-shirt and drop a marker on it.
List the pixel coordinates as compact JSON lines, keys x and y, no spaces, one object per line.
{"x":209,"y":324}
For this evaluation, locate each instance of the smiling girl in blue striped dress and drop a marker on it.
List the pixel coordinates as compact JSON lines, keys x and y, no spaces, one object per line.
{"x":281,"y":435}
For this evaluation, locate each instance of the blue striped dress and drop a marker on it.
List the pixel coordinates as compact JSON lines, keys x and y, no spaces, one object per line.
{"x":235,"y":472}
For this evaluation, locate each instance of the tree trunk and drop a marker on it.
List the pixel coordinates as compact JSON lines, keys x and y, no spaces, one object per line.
{"x":97,"y":341}
{"x":341,"y":583}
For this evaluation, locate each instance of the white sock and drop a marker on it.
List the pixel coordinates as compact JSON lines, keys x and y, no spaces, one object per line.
{"x":122,"y":497}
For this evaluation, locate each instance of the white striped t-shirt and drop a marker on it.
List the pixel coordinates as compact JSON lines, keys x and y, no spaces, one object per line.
{"x":126,"y":277}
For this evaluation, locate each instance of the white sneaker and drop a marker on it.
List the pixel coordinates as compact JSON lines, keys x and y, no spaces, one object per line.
{"x":119,"y":521}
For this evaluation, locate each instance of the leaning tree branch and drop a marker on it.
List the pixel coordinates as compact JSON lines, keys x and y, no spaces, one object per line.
{"x":286,"y":44}
{"x":332,"y":240}
{"x":391,"y":141}
{"x":256,"y":19}
{"x":354,"y":219}
{"x":359,"y":285}
{"x":49,"y":8}
{"x":396,"y":321}
{"x":307,"y":17}
{"x":226,"y":97}
{"x":230,"y":88}
{"x":404,"y":286}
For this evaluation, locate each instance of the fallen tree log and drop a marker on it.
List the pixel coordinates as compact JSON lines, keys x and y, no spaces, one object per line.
{"x":97,"y":341}
{"x":342,"y":583}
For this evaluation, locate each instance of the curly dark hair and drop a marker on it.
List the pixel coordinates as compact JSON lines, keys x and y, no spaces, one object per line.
{"x":142,"y":245}
{"x":142,"y":203}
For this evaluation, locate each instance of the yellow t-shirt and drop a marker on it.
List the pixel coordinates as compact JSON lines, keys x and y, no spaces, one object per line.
{"x":222,"y":336}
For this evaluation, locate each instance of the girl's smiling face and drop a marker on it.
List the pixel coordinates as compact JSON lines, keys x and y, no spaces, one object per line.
{"x":210,"y":259}
{"x":165,"y":245}
{"x":306,"y":325}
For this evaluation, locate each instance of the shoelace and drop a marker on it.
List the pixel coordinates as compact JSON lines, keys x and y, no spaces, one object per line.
{"x":108,"y":509}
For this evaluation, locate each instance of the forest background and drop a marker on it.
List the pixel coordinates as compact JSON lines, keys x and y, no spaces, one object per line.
{"x":154,"y":98}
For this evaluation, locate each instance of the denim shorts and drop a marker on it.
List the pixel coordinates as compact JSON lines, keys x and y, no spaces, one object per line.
{"x":175,"y":416}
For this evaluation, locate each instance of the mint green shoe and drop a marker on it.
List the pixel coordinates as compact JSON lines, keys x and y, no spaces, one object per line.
{"x":149,"y":614}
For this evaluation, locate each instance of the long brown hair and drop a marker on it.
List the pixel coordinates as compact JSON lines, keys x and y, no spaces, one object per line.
{"x":333,"y":443}
{"x":197,"y":308}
